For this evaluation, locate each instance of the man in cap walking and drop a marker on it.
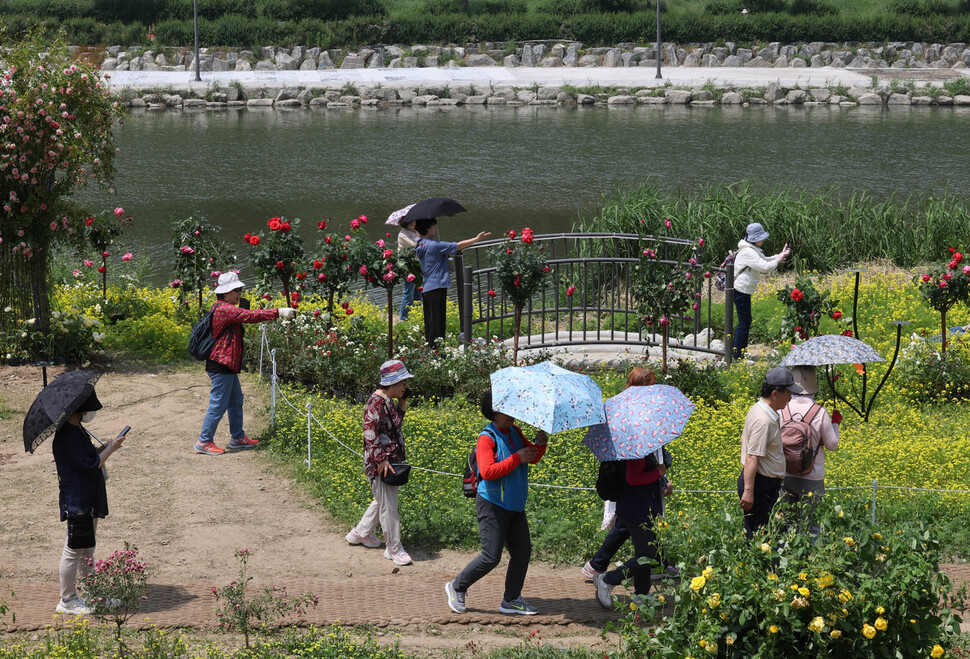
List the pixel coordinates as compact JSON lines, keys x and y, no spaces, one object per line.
{"x":762,"y":452}
{"x":225,"y":362}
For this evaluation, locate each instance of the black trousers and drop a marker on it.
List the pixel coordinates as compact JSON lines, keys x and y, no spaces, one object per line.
{"x":433,"y":304}
{"x":636,"y":509}
{"x":766,"y":492}
{"x":498,"y":527}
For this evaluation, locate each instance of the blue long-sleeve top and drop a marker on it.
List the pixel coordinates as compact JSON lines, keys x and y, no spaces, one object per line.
{"x":79,"y":474}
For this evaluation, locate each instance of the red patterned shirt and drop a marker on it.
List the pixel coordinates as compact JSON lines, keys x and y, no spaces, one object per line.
{"x":383,"y":439}
{"x":228,"y":348}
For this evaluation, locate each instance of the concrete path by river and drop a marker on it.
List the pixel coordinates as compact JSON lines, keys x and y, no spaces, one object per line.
{"x":524,"y":77}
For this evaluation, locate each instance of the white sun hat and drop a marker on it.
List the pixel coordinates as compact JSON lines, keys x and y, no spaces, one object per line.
{"x":228,"y":281}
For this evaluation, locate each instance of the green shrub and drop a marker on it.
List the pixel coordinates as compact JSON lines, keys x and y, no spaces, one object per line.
{"x":156,"y":337}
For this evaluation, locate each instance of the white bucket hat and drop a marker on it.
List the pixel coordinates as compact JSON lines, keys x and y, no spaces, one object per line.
{"x":393,"y":371}
{"x":228,"y":281}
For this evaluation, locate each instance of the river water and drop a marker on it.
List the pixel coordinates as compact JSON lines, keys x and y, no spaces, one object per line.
{"x":511,"y":167}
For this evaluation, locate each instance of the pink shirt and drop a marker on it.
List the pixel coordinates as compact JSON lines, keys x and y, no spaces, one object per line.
{"x":828,"y":431}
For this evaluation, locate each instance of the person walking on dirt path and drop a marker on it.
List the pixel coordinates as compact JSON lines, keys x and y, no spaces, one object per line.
{"x":82,"y":499}
{"x":433,"y":256}
{"x":762,"y":452}
{"x":406,"y":241}
{"x":806,"y":490}
{"x":225,"y":362}
{"x":384,"y":445}
{"x":749,"y":263}
{"x":503,"y":455}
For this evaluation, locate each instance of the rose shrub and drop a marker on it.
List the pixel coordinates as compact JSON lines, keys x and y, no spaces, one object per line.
{"x":200,"y":257}
{"x":805,"y":306}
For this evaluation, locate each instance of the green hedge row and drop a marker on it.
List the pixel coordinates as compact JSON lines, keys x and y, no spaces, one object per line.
{"x":591,"y":29}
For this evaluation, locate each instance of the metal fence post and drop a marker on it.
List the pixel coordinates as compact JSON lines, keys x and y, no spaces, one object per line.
{"x":262,"y":345}
{"x":460,"y":286}
{"x":728,"y":314}
{"x":309,"y":436}
{"x":272,"y":381}
{"x":466,"y":310}
{"x":873,"y":502}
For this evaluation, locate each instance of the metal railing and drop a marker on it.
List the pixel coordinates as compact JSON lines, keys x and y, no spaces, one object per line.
{"x":602,"y":309}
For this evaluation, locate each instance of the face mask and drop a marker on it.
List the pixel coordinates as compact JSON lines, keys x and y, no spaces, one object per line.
{"x":88,"y":417}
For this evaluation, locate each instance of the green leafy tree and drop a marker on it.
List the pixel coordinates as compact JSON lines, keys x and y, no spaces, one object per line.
{"x":945,"y":286}
{"x":56,"y":118}
{"x":521,"y":266}
{"x":200,"y":256}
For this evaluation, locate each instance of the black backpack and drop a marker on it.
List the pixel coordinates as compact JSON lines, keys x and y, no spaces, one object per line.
{"x":611,"y":480}
{"x":469,"y":483}
{"x":201,"y":341}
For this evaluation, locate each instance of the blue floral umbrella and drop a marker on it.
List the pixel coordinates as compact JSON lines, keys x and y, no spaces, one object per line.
{"x":831,"y":349}
{"x":548,"y":397}
{"x":639,"y":420}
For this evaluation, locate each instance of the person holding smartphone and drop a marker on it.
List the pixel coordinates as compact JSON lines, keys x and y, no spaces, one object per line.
{"x":384,"y":445}
{"x":749,"y":264}
{"x":82,"y":498}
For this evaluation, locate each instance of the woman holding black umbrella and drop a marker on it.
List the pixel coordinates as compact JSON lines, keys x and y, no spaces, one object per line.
{"x":59,"y":410}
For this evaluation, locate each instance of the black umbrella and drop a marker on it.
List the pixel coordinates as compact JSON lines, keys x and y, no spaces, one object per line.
{"x":55,"y":404}
{"x":431,"y":208}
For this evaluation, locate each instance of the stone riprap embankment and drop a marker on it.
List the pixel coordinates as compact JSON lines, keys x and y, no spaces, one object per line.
{"x":817,"y":54}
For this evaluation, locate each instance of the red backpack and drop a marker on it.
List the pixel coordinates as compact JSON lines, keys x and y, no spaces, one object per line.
{"x":797,"y":438}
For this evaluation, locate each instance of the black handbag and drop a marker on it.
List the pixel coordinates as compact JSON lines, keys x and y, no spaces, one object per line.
{"x":402,"y":471}
{"x":80,"y":531}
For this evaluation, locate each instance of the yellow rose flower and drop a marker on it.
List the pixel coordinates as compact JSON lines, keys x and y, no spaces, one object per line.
{"x":881,"y":624}
{"x":803,"y":576}
{"x":702,"y":642}
{"x":708,"y":571}
{"x":729,"y":640}
{"x":849,"y":541}
{"x":868,"y":631}
{"x":804,"y":592}
{"x":697,"y":583}
{"x":772,"y":576}
{"x":765,"y":547}
{"x":817,"y":624}
{"x":800,"y":603}
{"x":835,"y":633}
{"x":773,"y":629}
{"x":711,"y":648}
{"x":714,"y":600}
{"x":877,"y":536}
{"x":880,"y":610}
{"x":825,"y":580}
{"x":937,"y":652}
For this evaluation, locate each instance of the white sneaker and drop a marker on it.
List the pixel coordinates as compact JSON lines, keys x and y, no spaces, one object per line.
{"x":604,"y":592}
{"x":74,"y":607}
{"x":370,"y":540}
{"x":400,"y":557}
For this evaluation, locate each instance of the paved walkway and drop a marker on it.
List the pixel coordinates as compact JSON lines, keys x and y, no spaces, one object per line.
{"x":376,"y":600}
{"x":506,"y":77}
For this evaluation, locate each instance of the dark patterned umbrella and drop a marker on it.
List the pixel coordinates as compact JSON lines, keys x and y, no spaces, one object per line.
{"x":55,"y":404}
{"x":431,"y":208}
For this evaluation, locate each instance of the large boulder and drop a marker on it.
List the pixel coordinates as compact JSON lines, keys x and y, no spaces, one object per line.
{"x":571,"y":58}
{"x":243,"y":65}
{"x":613,"y":58}
{"x":551,"y":62}
{"x":898,"y":99}
{"x":797,"y":96}
{"x":677,"y":96}
{"x":265,"y":65}
{"x":480,"y":60}
{"x":325,"y":62}
{"x":870,"y":99}
{"x":286,"y":63}
{"x":352,"y":62}
{"x":528,"y":55}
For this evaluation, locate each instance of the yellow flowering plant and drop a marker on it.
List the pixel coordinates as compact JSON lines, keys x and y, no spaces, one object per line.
{"x":837,"y":599}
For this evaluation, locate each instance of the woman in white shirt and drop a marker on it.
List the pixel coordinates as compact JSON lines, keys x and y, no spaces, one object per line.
{"x":749,"y":263}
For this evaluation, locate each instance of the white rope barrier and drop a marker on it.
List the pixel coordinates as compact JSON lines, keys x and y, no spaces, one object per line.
{"x":275,"y":386}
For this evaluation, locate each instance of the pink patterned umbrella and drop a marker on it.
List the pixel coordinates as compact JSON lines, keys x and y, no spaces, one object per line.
{"x":395,"y":217}
{"x":639,"y":420}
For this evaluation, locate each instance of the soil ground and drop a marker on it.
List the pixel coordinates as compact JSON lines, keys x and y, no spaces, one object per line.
{"x":187,"y":513}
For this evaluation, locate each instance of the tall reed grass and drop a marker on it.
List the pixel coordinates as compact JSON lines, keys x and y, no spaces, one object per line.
{"x":825,"y":229}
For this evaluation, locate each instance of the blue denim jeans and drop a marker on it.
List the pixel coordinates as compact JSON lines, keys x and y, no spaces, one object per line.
{"x":226,"y":396}
{"x":742,"y":302}
{"x":410,"y":294}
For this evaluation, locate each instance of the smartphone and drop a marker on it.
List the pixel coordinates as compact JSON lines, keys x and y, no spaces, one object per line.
{"x":407,"y":393}
{"x":124,"y":431}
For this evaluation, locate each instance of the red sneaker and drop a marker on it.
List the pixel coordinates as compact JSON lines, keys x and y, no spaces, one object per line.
{"x":244,"y":443}
{"x":208,"y":448}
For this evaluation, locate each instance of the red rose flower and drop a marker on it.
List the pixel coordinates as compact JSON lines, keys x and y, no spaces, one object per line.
{"x":836,"y":315}
{"x":847,"y":333}
{"x":925,"y":277}
{"x":102,"y":269}
{"x":254,"y":241}
{"x":322,"y":224}
{"x":285,"y":227}
{"x":570,"y":291}
{"x":274,"y":224}
{"x":492,"y":293}
{"x":279,"y":265}
{"x":301,"y":275}
{"x":796,"y":294}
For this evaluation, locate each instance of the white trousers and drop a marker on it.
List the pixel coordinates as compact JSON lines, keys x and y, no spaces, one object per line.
{"x":72,"y":563}
{"x":383,"y":510}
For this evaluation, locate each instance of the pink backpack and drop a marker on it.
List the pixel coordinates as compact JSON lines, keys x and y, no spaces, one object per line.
{"x":797,"y":437}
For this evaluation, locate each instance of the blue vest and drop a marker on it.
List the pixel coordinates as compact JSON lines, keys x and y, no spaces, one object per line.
{"x":509,"y":491}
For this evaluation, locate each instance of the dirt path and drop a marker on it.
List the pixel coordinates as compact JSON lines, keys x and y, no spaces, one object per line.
{"x":187,"y":513}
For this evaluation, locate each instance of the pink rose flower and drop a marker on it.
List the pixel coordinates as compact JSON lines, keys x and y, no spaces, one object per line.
{"x":363,"y":269}
{"x":127,"y":257}
{"x":119,"y":211}
{"x":88,"y":263}
{"x":411,"y":277}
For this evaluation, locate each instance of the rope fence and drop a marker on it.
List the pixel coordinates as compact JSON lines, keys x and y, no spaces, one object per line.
{"x":278,"y":393}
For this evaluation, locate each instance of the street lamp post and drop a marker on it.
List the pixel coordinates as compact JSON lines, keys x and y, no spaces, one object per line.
{"x":195,"y":17}
{"x":658,"y":76}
